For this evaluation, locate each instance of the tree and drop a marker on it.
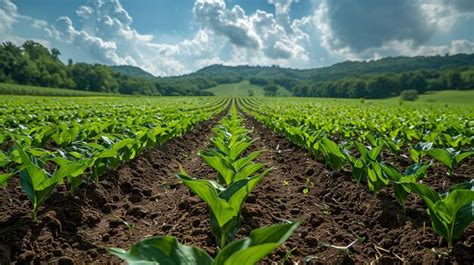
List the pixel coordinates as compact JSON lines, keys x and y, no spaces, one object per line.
{"x":409,"y":95}
{"x":454,"y":80}
{"x":270,"y":90}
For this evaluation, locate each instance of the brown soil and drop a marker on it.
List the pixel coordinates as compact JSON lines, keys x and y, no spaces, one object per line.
{"x":145,"y":193}
{"x":78,"y":229}
{"x":336,"y":211}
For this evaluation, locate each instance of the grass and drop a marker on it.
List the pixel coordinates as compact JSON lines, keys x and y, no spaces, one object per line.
{"x":243,"y":89}
{"x":14,"y":89}
{"x":449,"y":97}
{"x":465,"y":97}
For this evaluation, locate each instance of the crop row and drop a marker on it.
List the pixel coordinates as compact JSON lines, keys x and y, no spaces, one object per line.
{"x":51,"y":144}
{"x":450,"y":212}
{"x":237,"y":177}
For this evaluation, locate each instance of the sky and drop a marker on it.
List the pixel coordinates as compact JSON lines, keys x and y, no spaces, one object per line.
{"x":174,"y":37}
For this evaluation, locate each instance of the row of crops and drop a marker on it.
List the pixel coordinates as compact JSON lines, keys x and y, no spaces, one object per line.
{"x":352,"y":137}
{"x":51,"y":142}
{"x":225,"y":196}
{"x":62,"y":141}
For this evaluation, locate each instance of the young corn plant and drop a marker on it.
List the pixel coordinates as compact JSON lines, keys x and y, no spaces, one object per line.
{"x":230,"y":142}
{"x":449,"y":157}
{"x":225,"y":203}
{"x":451,"y":213}
{"x":411,"y":175}
{"x":368,"y":165}
{"x":231,"y":170}
{"x":37,"y":182}
{"x":333,"y":154}
{"x":247,"y":251}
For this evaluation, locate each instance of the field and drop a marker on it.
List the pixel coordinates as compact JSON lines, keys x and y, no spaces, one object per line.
{"x":445,"y":96}
{"x":449,"y":97}
{"x":281,"y":180}
{"x":15,"y":89}
{"x":243,"y":89}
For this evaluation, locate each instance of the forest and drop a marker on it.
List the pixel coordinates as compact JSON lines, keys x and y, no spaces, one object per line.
{"x":34,"y":64}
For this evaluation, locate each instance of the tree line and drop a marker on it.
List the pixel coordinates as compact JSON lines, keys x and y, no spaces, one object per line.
{"x":378,"y":85}
{"x":33,"y":64}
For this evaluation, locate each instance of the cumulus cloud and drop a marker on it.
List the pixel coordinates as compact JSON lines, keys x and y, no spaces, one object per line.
{"x":233,"y":24}
{"x":226,"y":35}
{"x":360,"y":25}
{"x":104,"y":51}
{"x":368,"y":29}
{"x":8,"y":14}
{"x":462,"y":5}
{"x":261,"y":34}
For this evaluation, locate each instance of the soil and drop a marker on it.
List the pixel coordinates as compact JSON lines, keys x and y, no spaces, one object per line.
{"x":144,"y":193}
{"x":78,"y":229}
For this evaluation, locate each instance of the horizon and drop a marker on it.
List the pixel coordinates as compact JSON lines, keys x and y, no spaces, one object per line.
{"x":187,"y":36}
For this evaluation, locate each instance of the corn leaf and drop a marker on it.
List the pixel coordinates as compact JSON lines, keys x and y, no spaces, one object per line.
{"x":261,"y":242}
{"x":162,"y":250}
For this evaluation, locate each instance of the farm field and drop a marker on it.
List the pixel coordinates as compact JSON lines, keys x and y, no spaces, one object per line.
{"x":449,"y":96}
{"x":15,"y":89}
{"x":332,"y":181}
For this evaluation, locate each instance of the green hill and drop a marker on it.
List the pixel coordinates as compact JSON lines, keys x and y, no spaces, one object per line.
{"x":133,"y":71}
{"x":341,"y":70}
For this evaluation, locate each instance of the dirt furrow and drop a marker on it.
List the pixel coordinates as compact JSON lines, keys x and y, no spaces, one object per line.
{"x":335,"y":211}
{"x":126,"y":206}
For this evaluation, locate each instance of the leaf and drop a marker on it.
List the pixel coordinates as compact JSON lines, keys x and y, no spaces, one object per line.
{"x":207,"y":191}
{"x":238,"y":164}
{"x":4,"y":179}
{"x":460,"y":157}
{"x":455,"y":201}
{"x":417,"y":169}
{"x":261,"y":242}
{"x":237,"y":149}
{"x":247,"y":171}
{"x":220,"y":165}
{"x":442,"y":156}
{"x":375,"y":152}
{"x":162,"y":250}
{"x":235,"y":195}
{"x":333,"y":148}
{"x":391,"y":171}
{"x":401,"y":194}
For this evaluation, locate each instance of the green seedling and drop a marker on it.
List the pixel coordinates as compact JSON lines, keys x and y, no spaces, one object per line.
{"x":247,"y":251}
{"x":451,"y":213}
{"x":449,"y":157}
{"x":225,"y":203}
{"x":411,"y":175}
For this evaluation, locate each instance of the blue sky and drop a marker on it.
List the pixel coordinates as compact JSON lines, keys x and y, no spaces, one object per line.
{"x":172,"y":37}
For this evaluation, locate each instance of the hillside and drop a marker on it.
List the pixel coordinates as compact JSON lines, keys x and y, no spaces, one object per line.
{"x":340,"y":70}
{"x":132,"y":71}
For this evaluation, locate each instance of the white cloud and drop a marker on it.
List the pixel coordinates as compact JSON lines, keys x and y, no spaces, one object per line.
{"x":454,"y":47}
{"x":226,"y":35}
{"x":367,"y":29}
{"x":259,"y":35}
{"x":8,"y":14}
